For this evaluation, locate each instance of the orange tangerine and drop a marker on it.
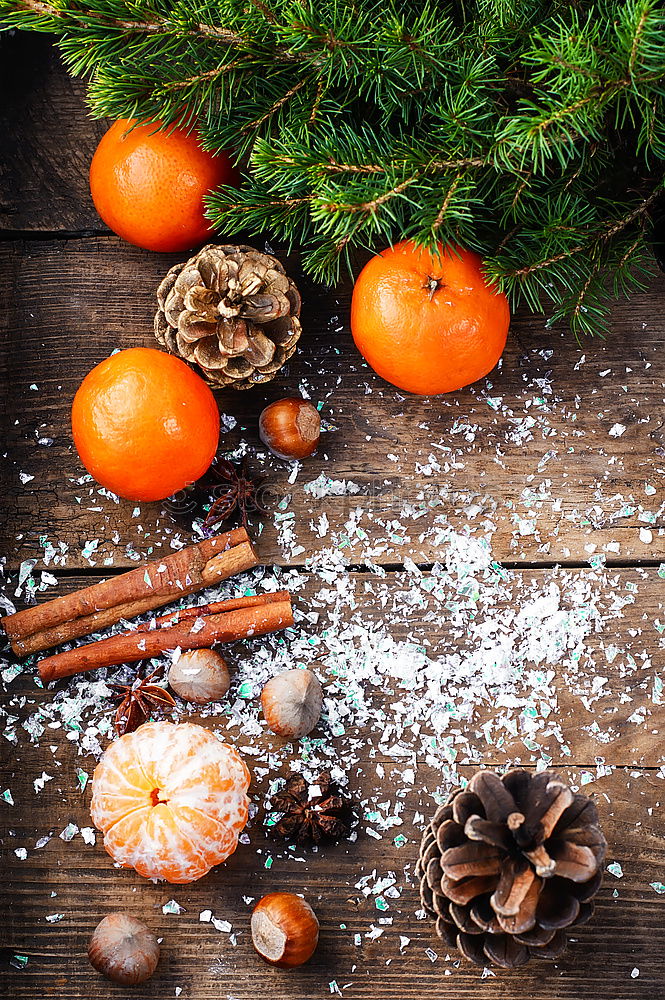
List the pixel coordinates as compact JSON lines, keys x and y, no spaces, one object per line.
{"x":144,"y":424}
{"x":148,"y":184}
{"x":429,"y":322}
{"x":171,"y":800}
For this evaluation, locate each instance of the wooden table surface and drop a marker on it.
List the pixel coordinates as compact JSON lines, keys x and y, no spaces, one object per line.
{"x":557,"y":459}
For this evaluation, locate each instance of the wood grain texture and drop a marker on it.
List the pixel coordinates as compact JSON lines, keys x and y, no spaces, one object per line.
{"x":521,"y":446}
{"x":618,"y":722}
{"x":623,"y":935}
{"x":526,"y":459}
{"x":46,"y":141}
{"x":203,"y":963}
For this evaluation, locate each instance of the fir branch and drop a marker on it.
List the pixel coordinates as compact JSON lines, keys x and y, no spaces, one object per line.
{"x":637,"y":38}
{"x":206,"y":77}
{"x":265,"y":10}
{"x":532,"y":133}
{"x":375,"y":203}
{"x":279,"y":103}
{"x":149,"y":26}
{"x":317,"y":102}
{"x":441,"y":214}
{"x":605,"y":234}
{"x":332,"y":166}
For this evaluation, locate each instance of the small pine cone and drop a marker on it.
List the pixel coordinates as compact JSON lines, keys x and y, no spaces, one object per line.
{"x":231,"y":310}
{"x":510,"y":862}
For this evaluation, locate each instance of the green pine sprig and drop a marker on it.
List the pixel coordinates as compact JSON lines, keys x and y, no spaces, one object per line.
{"x":533,"y":133}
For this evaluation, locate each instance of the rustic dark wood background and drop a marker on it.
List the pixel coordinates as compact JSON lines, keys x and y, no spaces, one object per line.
{"x":70,"y":292}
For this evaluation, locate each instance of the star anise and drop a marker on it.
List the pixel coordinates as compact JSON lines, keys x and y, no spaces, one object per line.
{"x":242,"y":492}
{"x":310,"y":818}
{"x":137,"y":701}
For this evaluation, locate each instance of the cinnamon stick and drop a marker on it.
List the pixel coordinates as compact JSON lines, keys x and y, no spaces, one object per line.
{"x":131,"y":594}
{"x":194,"y":628}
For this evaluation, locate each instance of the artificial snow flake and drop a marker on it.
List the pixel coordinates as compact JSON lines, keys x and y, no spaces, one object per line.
{"x":172,"y":907}
{"x":40,"y":782}
{"x":453,"y":659}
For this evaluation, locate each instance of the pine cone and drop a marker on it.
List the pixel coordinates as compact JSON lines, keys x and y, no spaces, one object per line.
{"x":233,"y":311}
{"x":508,"y":863}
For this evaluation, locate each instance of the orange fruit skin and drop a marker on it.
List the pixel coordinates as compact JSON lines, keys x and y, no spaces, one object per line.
{"x":424,"y":338}
{"x":171,"y":800}
{"x":148,"y":186}
{"x":144,"y":424}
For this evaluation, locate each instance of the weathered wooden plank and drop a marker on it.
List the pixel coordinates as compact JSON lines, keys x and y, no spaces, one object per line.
{"x":80,"y":883}
{"x":492,"y":678}
{"x":65,"y":306}
{"x":46,"y":141}
{"x":556,"y":455}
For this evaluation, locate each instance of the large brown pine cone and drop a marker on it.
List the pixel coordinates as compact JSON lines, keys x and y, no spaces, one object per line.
{"x":510,"y":862}
{"x":231,"y":310}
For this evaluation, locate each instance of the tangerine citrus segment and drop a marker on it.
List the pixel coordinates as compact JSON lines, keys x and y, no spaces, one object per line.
{"x":163,"y":752}
{"x":121,"y":786}
{"x":150,"y":841}
{"x":209,"y":834}
{"x":212,"y":786}
{"x":171,"y":854}
{"x":124,"y":840}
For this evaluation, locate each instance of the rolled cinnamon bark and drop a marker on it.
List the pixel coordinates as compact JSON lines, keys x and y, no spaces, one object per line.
{"x":242,"y":618}
{"x":131,"y":594}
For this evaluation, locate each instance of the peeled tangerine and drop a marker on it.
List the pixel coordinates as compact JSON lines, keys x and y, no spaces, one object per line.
{"x":171,"y":800}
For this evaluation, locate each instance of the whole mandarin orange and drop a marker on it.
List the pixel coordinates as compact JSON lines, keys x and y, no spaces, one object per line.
{"x":427,"y":322}
{"x":144,"y":424}
{"x":148,"y":186}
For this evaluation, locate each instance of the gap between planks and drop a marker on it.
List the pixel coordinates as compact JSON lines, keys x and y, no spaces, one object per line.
{"x":398,"y":567}
{"x":35,"y":236}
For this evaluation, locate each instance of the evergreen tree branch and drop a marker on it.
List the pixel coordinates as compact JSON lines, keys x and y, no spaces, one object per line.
{"x":605,"y":234}
{"x":441,"y":214}
{"x":279,"y":103}
{"x":637,"y":37}
{"x":533,"y":133}
{"x":150,"y":26}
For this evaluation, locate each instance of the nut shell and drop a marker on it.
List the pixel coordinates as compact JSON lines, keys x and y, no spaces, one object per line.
{"x":290,"y":427}
{"x":285,"y":930}
{"x":200,"y":676}
{"x":123,"y":949}
{"x":292,"y":703}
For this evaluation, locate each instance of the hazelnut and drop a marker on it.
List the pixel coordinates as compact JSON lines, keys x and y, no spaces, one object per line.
{"x":200,"y":675}
{"x":290,"y":427}
{"x":123,"y":949}
{"x":285,"y":930}
{"x":292,"y":703}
